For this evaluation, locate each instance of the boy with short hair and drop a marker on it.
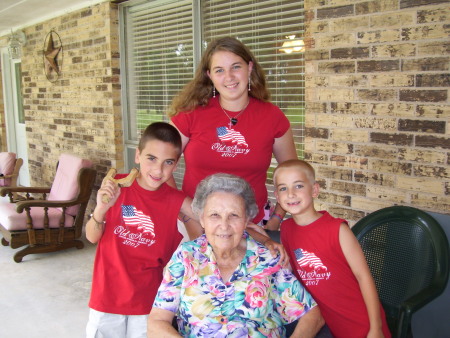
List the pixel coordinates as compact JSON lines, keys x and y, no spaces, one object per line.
{"x":137,"y":234}
{"x":326,"y":257}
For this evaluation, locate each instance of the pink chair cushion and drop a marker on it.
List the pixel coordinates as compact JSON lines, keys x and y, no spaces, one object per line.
{"x":65,"y":183}
{"x":7,"y":163}
{"x":11,"y":220}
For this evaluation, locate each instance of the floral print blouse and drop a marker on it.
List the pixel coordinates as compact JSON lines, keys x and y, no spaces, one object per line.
{"x":257,"y":301}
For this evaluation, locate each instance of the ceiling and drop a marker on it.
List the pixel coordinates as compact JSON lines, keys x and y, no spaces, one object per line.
{"x":16,"y":14}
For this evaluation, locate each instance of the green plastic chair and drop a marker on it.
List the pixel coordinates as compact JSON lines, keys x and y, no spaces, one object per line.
{"x":408,"y":254}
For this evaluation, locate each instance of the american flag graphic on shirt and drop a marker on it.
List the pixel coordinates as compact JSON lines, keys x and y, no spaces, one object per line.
{"x":136,"y":218}
{"x":309,"y":261}
{"x":230,"y":136}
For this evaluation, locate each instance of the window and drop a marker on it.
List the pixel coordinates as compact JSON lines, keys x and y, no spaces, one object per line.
{"x":161,"y":38}
{"x":158,"y":40}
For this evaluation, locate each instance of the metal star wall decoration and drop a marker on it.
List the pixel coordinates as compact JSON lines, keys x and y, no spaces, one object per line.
{"x":51,"y":56}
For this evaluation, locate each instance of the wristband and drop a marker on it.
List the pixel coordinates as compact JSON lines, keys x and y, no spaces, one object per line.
{"x":95,"y":221}
{"x":277,"y":216}
{"x":184,"y":219}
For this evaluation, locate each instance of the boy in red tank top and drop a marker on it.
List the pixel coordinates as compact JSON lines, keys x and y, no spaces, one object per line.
{"x":137,"y":233}
{"x":326,"y":257}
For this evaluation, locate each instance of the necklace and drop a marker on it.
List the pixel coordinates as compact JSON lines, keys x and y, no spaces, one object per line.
{"x":234,"y":120}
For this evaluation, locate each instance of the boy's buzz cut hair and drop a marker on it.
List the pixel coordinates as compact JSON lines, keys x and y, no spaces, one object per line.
{"x":161,"y":131}
{"x":310,"y":172}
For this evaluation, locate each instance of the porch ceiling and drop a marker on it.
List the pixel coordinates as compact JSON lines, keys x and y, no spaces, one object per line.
{"x":16,"y":14}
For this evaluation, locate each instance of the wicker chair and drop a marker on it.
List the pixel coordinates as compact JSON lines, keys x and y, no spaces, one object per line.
{"x":53,"y":217}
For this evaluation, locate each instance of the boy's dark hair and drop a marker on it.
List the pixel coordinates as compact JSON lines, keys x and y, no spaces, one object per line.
{"x":161,"y":131}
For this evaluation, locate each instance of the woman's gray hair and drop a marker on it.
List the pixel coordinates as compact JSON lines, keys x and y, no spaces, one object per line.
{"x":225,"y":183}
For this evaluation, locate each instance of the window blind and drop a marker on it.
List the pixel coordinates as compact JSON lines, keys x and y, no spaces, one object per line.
{"x":158,"y":41}
{"x":157,"y":44}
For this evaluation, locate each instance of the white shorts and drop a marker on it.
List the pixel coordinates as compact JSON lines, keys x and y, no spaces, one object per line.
{"x":109,"y":325}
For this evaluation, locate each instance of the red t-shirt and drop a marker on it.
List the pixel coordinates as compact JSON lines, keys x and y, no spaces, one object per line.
{"x":244,"y":150}
{"x":140,"y":237}
{"x":318,"y":261}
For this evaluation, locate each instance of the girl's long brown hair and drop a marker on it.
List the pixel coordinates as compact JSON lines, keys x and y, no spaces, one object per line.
{"x":199,"y":90}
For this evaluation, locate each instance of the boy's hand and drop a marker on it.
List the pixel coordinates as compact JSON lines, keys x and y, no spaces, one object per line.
{"x":276,"y":248}
{"x":109,"y":189}
{"x":122,"y":182}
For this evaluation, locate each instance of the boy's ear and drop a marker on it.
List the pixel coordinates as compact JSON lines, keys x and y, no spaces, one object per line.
{"x":136,"y":156}
{"x":275,"y":192}
{"x":316,"y":189}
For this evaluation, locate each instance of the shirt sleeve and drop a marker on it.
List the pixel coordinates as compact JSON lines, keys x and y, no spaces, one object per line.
{"x":183,"y":123}
{"x":291,"y":298}
{"x":280,"y":122}
{"x":168,"y":296}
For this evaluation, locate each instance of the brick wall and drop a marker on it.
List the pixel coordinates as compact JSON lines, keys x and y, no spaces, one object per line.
{"x":378,"y":114}
{"x":80,"y":112}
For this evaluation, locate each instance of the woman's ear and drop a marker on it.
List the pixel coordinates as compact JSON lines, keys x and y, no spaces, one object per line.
{"x":200,"y":220}
{"x":250,"y":67}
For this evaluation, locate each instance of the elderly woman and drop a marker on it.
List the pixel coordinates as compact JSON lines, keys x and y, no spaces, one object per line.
{"x":225,"y":283}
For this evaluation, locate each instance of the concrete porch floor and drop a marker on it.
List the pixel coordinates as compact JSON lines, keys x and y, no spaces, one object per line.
{"x":46,"y":295}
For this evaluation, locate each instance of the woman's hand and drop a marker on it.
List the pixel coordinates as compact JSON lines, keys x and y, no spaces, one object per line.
{"x":276,"y":248}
